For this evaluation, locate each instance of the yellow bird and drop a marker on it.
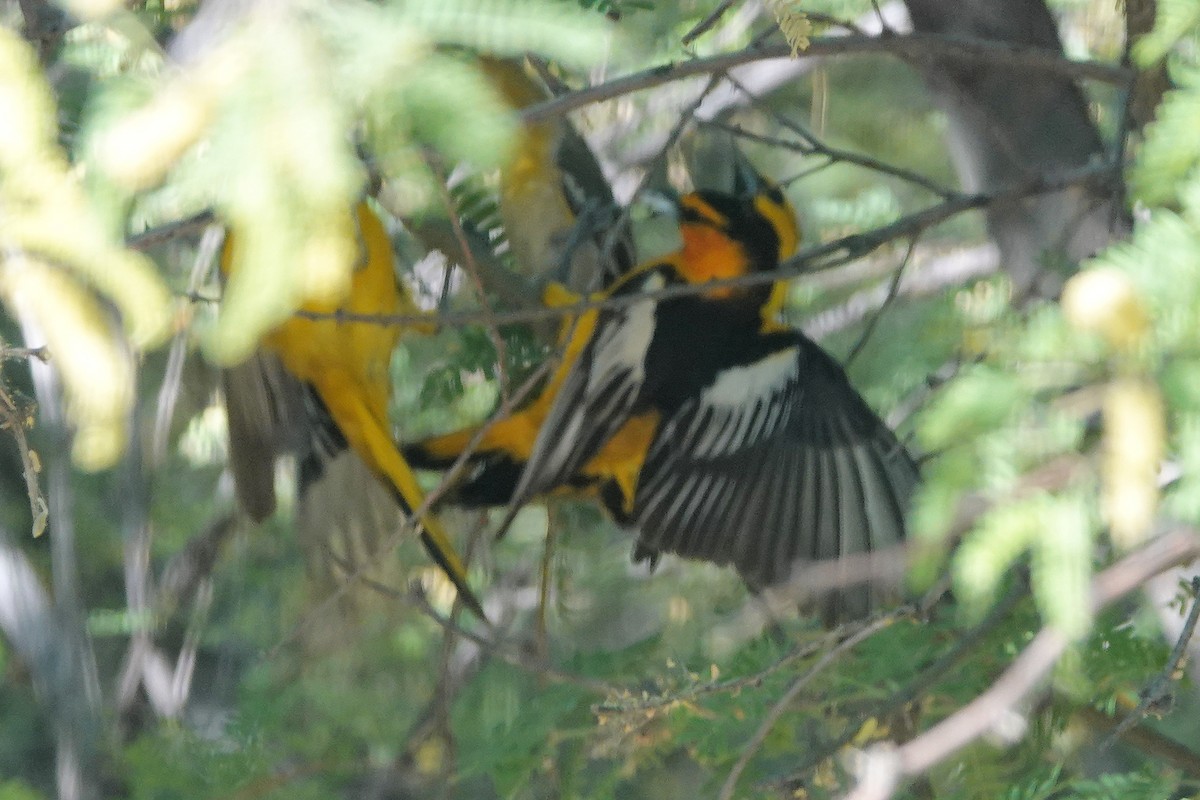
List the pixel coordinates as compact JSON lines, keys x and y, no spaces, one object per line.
{"x":343,"y":368}
{"x":560,"y":218}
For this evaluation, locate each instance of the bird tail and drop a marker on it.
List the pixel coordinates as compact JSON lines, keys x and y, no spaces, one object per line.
{"x":382,"y":454}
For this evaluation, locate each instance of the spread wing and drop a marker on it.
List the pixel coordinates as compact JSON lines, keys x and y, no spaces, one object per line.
{"x":776,"y":461}
{"x":598,"y":391}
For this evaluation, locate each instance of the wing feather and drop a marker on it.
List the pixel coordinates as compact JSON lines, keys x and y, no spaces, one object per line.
{"x":597,"y":394}
{"x":775,"y":462}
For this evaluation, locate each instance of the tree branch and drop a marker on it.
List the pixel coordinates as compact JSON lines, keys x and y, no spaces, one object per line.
{"x":808,"y":261}
{"x":1158,"y":693}
{"x":768,"y":722}
{"x":914,"y":46}
{"x":882,"y":767}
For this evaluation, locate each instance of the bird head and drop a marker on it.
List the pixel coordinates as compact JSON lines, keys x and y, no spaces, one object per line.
{"x":726,"y":235}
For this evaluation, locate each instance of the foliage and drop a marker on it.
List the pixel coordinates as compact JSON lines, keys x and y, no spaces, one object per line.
{"x":597,"y":679}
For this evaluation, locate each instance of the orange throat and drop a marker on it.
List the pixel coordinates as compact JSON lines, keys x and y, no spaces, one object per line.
{"x":710,"y":255}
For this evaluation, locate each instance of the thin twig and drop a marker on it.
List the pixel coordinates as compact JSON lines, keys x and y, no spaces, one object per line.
{"x":705,"y":25}
{"x":16,"y":419}
{"x":782,"y":704}
{"x":170,"y":230}
{"x":1150,"y":742}
{"x":811,"y":144}
{"x":168,"y":393}
{"x":819,"y":257}
{"x":892,"y":292}
{"x":511,"y":656}
{"x":883,"y":767}
{"x":625,"y":704}
{"x":928,"y":677}
{"x":930,"y":277}
{"x":835,"y":22}
{"x":448,"y":478}
{"x":911,"y":46}
{"x":815,"y":146}
{"x":472,"y":270}
{"x":1159,"y":690}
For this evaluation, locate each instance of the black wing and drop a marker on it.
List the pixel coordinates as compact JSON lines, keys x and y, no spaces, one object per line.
{"x":775,"y":462}
{"x":598,"y":392}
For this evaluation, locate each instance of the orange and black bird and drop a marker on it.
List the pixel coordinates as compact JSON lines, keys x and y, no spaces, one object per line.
{"x":328,"y":379}
{"x":700,"y":420}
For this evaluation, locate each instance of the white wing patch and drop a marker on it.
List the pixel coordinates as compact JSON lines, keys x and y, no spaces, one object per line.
{"x":761,"y":380}
{"x":623,"y":346}
{"x":744,"y":404}
{"x":596,"y":396}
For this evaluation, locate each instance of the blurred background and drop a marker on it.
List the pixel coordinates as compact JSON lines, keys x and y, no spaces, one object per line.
{"x":955,"y":166}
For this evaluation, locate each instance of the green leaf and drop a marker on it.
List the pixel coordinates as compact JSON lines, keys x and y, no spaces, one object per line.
{"x":978,"y":400}
{"x":452,"y":105}
{"x":1152,"y":783}
{"x":1171,"y":151}
{"x":560,"y":30}
{"x":1173,"y":20}
{"x":1062,"y":562}
{"x":1002,"y":536}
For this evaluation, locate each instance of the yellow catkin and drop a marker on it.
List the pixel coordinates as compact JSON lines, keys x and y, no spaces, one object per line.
{"x":1104,"y":301}
{"x":1134,"y":439}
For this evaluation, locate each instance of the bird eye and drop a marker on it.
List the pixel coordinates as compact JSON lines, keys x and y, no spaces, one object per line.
{"x":697,"y":210}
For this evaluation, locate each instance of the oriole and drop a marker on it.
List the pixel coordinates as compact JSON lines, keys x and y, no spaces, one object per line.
{"x":344,"y":369}
{"x":702,"y":421}
{"x":558,"y":210}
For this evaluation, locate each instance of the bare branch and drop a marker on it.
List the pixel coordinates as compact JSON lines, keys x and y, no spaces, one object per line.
{"x":808,"y":261}
{"x":1158,"y":693}
{"x":703,"y":26}
{"x":883,"y":767}
{"x":917,"y":47}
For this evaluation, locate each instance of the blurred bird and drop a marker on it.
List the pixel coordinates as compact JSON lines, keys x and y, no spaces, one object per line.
{"x":559,"y":215}
{"x":702,"y":421}
{"x":321,"y":386}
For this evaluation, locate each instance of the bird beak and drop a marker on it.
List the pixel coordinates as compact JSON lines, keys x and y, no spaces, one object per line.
{"x":747,"y":182}
{"x":662,"y":201}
